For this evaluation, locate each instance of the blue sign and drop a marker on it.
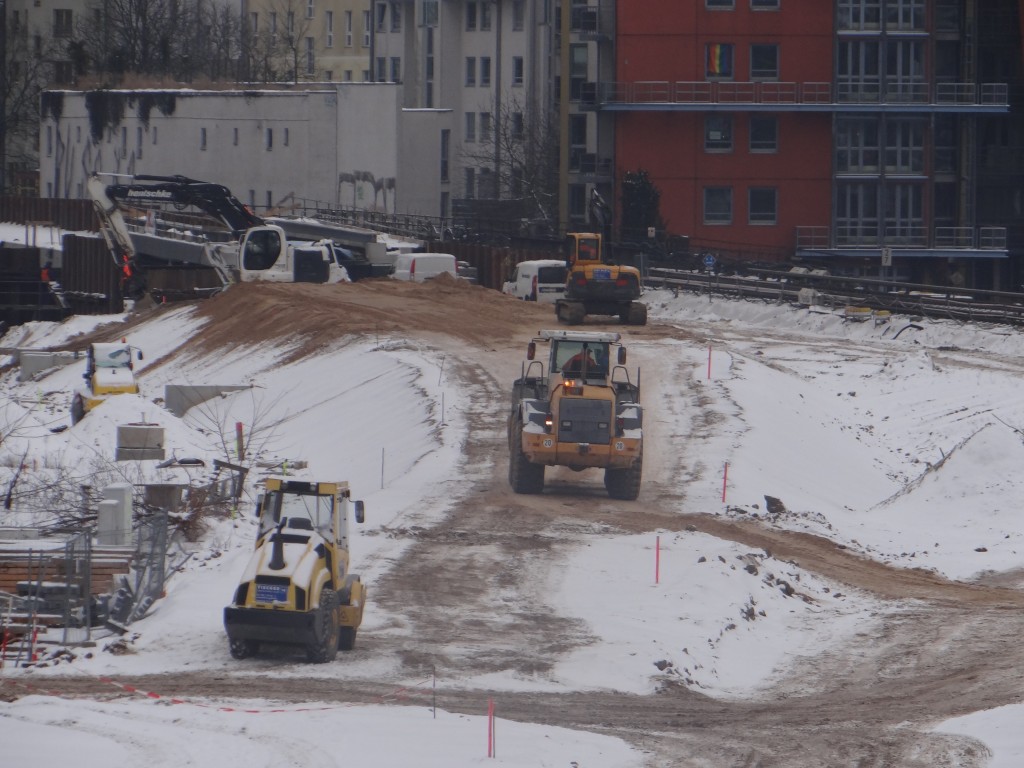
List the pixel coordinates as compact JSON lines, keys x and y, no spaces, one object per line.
{"x":709,"y":260}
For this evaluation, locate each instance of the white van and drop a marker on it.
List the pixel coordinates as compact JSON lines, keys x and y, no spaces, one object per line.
{"x":418,"y":267}
{"x":542,"y":280}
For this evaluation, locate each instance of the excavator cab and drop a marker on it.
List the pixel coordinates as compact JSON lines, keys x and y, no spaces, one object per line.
{"x":582,"y":247}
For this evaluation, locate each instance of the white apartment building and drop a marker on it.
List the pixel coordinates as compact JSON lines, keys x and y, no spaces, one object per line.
{"x":338,"y":144}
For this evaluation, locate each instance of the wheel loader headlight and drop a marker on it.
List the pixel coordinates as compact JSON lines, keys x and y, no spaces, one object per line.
{"x":549,"y":422}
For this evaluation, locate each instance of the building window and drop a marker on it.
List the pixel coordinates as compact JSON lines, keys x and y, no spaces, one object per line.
{"x":310,"y":9}
{"x":270,"y":139}
{"x":857,"y":145}
{"x":366,"y":75}
{"x":763,"y":205}
{"x":347,"y":76}
{"x":430,"y":13}
{"x":577,"y":203}
{"x":718,"y":60}
{"x":234,"y":138}
{"x":764,"y":62}
{"x":366,"y":35}
{"x":63,"y":73}
{"x":905,"y":15}
{"x":858,"y":15}
{"x":382,"y":72}
{"x":446,"y":204}
{"x":289,"y":23}
{"x":396,"y":69}
{"x":904,"y":146}
{"x":202,"y":139}
{"x":718,"y":133}
{"x":904,"y":221}
{"x":138,"y":142}
{"x":517,"y":15}
{"x":719,"y":5}
{"x":717,"y":205}
{"x":471,"y":16}
{"x":856,"y":216}
{"x":273,"y":27}
{"x":348,"y":29}
{"x":485,"y":71}
{"x":254,"y":22}
{"x":471,"y":126}
{"x":329,"y":75}
{"x":287,"y":136}
{"x":485,"y":16}
{"x":329,"y":26}
{"x":858,"y":70}
{"x":518,"y":126}
{"x":470,"y":190}
{"x":471,"y":70}
{"x":764,"y":5}
{"x":446,"y":137}
{"x":62,"y":24}
{"x":764,"y":133}
{"x":517,"y":70}
{"x":396,"y":17}
{"x":310,"y":57}
{"x":485,"y":126}
{"x":381,"y":15}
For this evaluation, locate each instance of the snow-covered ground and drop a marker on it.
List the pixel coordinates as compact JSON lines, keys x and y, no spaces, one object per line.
{"x":878,"y":436}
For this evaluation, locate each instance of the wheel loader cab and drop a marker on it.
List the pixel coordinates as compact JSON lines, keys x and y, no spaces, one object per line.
{"x":586,"y":359}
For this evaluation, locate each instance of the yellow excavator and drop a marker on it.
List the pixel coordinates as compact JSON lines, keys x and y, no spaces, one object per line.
{"x":596,"y":285}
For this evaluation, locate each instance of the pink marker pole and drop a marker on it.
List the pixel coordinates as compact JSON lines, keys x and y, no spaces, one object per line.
{"x":657,"y":560}
{"x":725,"y":479}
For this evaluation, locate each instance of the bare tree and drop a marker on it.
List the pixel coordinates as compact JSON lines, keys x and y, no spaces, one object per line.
{"x":517,"y":152}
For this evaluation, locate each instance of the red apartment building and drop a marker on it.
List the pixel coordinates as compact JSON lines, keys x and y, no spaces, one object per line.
{"x":854,"y":133}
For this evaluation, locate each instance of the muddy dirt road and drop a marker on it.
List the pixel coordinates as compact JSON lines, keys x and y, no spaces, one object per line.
{"x":939,"y":649}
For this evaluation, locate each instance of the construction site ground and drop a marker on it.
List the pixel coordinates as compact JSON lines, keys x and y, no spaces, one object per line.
{"x":867,"y":703}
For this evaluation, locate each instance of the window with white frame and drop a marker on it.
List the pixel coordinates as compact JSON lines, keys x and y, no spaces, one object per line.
{"x":717,"y":132}
{"x":310,"y":58}
{"x":381,"y":67}
{"x":470,"y":126}
{"x":270,"y":139}
{"x":289,"y":26}
{"x":719,"y":5}
{"x":329,"y":27}
{"x":310,"y":9}
{"x":429,"y":13}
{"x":485,"y":16}
{"x":764,"y":61}
{"x":764,"y":133}
{"x":518,"y":126}
{"x":381,"y":14}
{"x":517,"y":70}
{"x":396,"y":17}
{"x":470,"y":177}
{"x":348,"y":29}
{"x":763,"y":205}
{"x":764,"y":5}
{"x":471,"y":70}
{"x":518,"y":15}
{"x":366,"y":36}
{"x":485,"y":71}
{"x":485,"y":126}
{"x":718,"y":205}
{"x":471,"y":16}
{"x":396,"y":69}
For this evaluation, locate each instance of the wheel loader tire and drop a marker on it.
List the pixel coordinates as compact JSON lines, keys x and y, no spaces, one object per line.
{"x":346,"y":638}
{"x":243,"y":649}
{"x":324,"y":645}
{"x":637,"y":313}
{"x":523,"y":476}
{"x":77,"y":409}
{"x":571,"y":312}
{"x":624,"y":483}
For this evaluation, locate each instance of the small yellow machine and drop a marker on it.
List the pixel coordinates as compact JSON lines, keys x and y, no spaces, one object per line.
{"x":297,"y":588}
{"x":108,"y":371}
{"x":581,"y":412}
{"x":598,"y":286}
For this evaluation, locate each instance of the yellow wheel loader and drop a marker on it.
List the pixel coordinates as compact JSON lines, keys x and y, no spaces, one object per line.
{"x":579,"y":410}
{"x":297,"y":588}
{"x":108,"y":371}
{"x":598,"y":286}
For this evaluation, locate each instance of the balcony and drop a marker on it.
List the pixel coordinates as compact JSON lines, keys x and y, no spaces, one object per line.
{"x":704,"y":95}
{"x":914,"y":240}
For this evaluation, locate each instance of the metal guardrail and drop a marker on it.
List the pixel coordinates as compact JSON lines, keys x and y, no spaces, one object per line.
{"x":963,"y":305}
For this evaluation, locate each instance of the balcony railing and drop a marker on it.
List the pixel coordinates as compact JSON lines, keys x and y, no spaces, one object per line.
{"x":866,"y":235}
{"x":771,"y":92}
